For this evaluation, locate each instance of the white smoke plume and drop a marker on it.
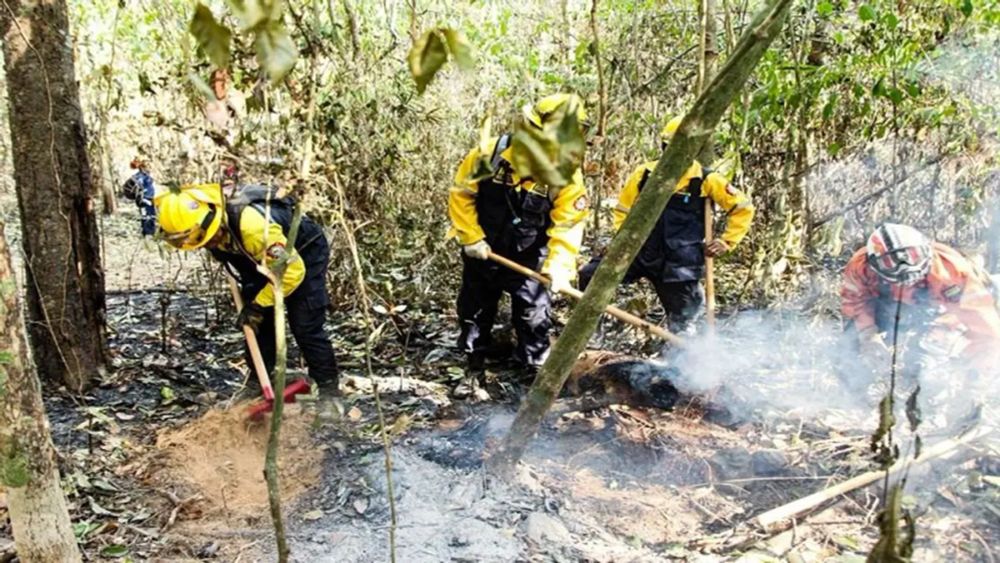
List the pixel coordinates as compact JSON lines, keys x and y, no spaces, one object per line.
{"x":772,"y":363}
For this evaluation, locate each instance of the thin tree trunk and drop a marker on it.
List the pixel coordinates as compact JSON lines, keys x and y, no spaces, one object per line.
{"x":602,"y":115}
{"x":694,"y":132}
{"x":271,"y":476}
{"x":352,"y":24}
{"x":38,"y":514}
{"x":706,"y":71}
{"x":708,"y":55}
{"x":64,"y":279}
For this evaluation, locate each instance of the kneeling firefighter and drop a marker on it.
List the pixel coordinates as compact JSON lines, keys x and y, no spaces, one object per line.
{"x":249,"y":229}
{"x":673,"y":257}
{"x":535,"y":225}
{"x":934,"y":290}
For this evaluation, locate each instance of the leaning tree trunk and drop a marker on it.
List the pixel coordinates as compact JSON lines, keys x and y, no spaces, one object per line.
{"x":38,"y":513}
{"x":692,"y":135}
{"x":708,"y":55}
{"x":64,"y":279}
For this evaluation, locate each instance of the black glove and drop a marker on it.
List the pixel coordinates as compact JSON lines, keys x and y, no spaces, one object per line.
{"x":251,"y":315}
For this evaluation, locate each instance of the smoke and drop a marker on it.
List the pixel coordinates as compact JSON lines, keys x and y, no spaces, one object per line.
{"x":781,"y":364}
{"x":970,"y":67}
{"x":766,"y":361}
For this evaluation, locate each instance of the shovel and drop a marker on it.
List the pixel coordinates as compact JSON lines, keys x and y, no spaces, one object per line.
{"x":297,"y":387}
{"x":615,"y":312}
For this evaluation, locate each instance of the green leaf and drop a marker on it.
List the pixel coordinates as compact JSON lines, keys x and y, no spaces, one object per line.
{"x":878,"y":89}
{"x":255,"y":13}
{"x":115,"y":551}
{"x":830,"y":106}
{"x":895,"y":94}
{"x":824,"y":8}
{"x":145,"y":85}
{"x":890,"y":20}
{"x":866,"y":13}
{"x":276,"y":51}
{"x":550,"y":155}
{"x":213,"y":38}
{"x":966,"y":8}
{"x":427,"y":57}
{"x":167,"y":394}
{"x":81,"y":529}
{"x":459,"y":48}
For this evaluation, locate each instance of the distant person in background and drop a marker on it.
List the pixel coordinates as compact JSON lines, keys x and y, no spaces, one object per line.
{"x":140,"y":189}
{"x":937,"y":291}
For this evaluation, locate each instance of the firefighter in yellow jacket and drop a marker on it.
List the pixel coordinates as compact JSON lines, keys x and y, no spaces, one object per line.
{"x":673,"y":257}
{"x":247,"y":229}
{"x":535,"y":225}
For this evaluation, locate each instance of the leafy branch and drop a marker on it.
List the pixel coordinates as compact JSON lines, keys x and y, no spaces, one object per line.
{"x":276,"y":51}
{"x":433,"y":49}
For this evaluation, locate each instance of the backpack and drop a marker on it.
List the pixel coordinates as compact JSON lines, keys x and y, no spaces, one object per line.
{"x":132,"y":189}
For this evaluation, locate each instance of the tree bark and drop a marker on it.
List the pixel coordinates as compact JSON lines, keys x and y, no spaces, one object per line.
{"x":38,"y":513}
{"x":602,"y":116}
{"x":352,"y":24}
{"x":64,"y":279}
{"x":709,"y":54}
{"x":692,"y":135}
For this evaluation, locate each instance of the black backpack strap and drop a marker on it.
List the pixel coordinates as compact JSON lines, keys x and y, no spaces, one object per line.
{"x":496,"y":160}
{"x":645,"y":177}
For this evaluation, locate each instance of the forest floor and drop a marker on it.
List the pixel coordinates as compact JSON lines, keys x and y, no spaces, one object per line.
{"x":159,"y":462}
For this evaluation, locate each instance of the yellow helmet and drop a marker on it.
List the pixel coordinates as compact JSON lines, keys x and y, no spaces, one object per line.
{"x":543,"y":109}
{"x":189,"y":216}
{"x":670,"y":128}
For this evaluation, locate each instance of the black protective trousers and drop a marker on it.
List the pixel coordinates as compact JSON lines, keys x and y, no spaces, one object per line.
{"x":306,"y":319}
{"x":483,"y":283}
{"x":682,"y":300}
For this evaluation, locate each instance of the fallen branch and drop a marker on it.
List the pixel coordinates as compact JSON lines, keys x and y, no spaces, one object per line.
{"x":771,"y":518}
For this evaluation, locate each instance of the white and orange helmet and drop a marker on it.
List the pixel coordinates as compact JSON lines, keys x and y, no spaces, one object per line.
{"x":899,"y":253}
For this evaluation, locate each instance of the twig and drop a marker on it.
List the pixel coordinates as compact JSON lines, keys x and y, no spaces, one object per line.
{"x":759,"y":479}
{"x":772,"y":517}
{"x":364,"y":306}
{"x":987,"y":550}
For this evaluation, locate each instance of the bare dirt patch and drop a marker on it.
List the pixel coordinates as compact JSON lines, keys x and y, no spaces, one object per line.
{"x":220,"y":457}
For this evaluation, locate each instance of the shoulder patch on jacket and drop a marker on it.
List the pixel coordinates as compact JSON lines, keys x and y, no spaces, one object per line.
{"x":952,"y":293}
{"x":275,"y":251}
{"x":731,"y":190}
{"x":581,"y":203}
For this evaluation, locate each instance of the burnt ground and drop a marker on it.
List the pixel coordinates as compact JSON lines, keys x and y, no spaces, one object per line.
{"x":154,"y":471}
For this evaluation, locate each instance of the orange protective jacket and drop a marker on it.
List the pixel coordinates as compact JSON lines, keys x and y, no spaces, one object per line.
{"x":953,"y":282}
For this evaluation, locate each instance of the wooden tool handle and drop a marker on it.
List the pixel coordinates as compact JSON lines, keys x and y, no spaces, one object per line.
{"x":709,"y":266}
{"x":615,"y":312}
{"x":255,"y":355}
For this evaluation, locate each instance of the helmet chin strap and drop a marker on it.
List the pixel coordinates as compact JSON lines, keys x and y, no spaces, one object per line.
{"x":209,"y":217}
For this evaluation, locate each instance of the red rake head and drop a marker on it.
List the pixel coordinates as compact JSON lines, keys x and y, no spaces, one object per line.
{"x":297,"y":387}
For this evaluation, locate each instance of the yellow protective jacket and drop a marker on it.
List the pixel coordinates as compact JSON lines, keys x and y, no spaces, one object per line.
{"x":568,"y":213}
{"x":715,"y":187}
{"x":260,"y":240}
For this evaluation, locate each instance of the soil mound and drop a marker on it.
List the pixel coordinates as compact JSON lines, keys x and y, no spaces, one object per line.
{"x":220,"y":456}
